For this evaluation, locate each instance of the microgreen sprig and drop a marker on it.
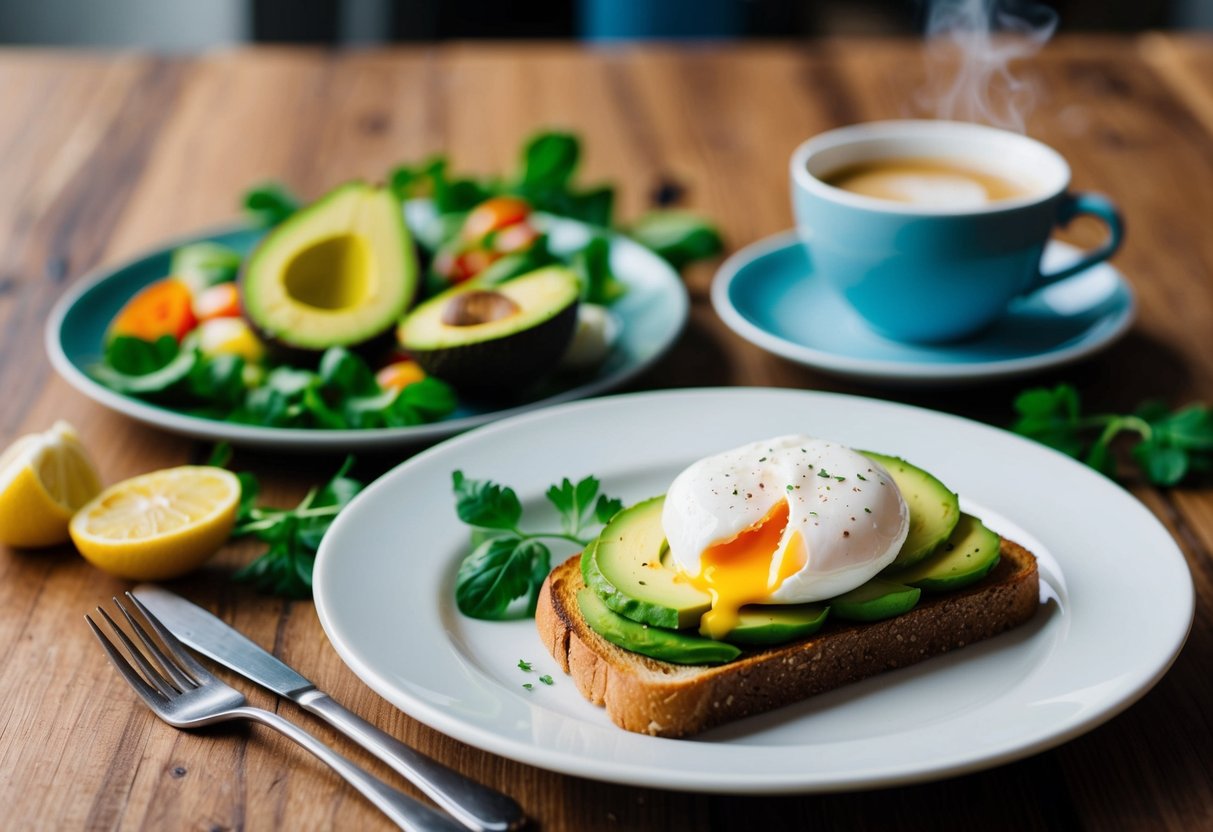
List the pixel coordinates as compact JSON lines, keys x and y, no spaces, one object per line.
{"x":1167,"y":445}
{"x":509,"y":563}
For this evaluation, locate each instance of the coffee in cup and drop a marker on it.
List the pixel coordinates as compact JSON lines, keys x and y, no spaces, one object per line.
{"x":930,"y":229}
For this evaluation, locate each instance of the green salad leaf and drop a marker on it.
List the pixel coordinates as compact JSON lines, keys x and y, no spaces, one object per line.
{"x":678,"y":236}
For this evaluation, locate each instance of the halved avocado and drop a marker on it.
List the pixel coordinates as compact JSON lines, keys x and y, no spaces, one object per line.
{"x":338,"y":273}
{"x":494,"y":341}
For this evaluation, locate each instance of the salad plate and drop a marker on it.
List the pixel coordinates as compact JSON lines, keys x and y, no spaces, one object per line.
{"x":385,"y":574}
{"x":768,"y":294}
{"x":650,"y":315}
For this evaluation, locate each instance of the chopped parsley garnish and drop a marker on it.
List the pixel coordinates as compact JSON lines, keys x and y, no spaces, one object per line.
{"x":862,"y":477}
{"x":823,"y":473}
{"x":524,"y":666}
{"x":867,"y":510}
{"x":547,"y":680}
{"x":528,"y":686}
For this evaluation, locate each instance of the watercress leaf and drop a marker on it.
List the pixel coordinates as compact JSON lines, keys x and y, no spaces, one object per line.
{"x":343,"y":373}
{"x":1152,"y":410}
{"x":1163,"y":464}
{"x":593,"y":266}
{"x":205,"y":264}
{"x":164,"y":382}
{"x":249,"y":487}
{"x":133,"y":356}
{"x":680,"y":237}
{"x":496,"y":573}
{"x":322,"y":415}
{"x":400,"y":414}
{"x":340,"y":489}
{"x":269,"y":203}
{"x":220,"y":456}
{"x":432,"y":398}
{"x":607,"y":508}
{"x":1190,"y":428}
{"x":594,"y":206}
{"x":218,"y":380}
{"x":485,"y":503}
{"x":584,"y":494}
{"x":549,"y":160}
{"x":1060,"y":403}
{"x":564,"y":497}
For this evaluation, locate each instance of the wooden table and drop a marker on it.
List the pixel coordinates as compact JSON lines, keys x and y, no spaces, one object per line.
{"x":102,"y":156}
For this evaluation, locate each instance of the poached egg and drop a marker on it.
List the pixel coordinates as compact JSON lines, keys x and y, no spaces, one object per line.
{"x":787,"y":520}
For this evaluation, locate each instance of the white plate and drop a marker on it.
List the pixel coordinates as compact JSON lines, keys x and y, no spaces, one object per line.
{"x":385,"y":574}
{"x":651,"y":315}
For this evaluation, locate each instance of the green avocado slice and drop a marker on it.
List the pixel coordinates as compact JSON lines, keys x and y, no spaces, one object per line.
{"x":667,"y":645}
{"x":934,"y":510}
{"x":625,"y":570}
{"x":965,"y":558}
{"x":876,"y":600}
{"x":773,"y":624}
{"x":338,"y":273}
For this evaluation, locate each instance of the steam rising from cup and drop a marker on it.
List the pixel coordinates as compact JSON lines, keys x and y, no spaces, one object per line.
{"x":972,"y":44}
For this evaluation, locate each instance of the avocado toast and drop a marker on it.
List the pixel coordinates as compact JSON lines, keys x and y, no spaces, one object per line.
{"x":651,"y":696}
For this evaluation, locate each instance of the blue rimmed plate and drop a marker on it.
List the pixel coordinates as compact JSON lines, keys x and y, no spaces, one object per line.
{"x":768,"y":294}
{"x":651,"y":315}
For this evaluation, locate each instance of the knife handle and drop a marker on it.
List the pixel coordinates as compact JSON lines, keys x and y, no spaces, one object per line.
{"x":475,"y":806}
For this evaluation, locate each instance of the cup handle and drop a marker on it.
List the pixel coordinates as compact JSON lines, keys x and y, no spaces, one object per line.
{"x":1097,"y":205}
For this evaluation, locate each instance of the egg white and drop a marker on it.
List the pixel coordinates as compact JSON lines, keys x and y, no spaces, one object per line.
{"x":849,"y":513}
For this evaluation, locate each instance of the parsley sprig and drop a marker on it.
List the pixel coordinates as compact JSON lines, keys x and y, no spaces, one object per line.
{"x":1167,"y":445}
{"x":293,"y":534}
{"x":509,"y":563}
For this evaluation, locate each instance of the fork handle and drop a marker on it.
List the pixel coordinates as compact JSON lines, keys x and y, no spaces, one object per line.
{"x":477,"y":807}
{"x":407,"y":813}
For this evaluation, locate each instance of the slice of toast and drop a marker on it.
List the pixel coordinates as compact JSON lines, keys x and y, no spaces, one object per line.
{"x":655,"y":697}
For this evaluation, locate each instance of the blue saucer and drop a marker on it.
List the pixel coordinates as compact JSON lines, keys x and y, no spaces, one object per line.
{"x":767,"y":294}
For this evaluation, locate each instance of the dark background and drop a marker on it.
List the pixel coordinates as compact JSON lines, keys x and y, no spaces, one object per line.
{"x":184,"y":25}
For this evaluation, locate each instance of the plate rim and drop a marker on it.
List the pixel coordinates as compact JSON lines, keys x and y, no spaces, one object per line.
{"x":312,"y":439}
{"x":900,"y":372}
{"x":610,"y":771}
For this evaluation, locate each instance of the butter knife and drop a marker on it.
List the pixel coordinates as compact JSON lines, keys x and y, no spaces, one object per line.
{"x":475,"y":806}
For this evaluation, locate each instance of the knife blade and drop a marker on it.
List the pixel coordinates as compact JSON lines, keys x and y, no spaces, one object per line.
{"x":474,"y":805}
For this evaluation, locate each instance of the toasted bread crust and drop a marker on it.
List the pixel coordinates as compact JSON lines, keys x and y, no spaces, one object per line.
{"x":668,"y":700}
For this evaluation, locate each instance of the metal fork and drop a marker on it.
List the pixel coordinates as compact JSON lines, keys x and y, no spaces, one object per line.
{"x":185,"y":694}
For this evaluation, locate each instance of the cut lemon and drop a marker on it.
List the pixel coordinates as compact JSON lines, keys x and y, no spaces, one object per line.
{"x":158,"y":525}
{"x":44,"y":478}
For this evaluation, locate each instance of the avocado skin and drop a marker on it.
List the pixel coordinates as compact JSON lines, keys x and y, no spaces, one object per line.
{"x":934,"y":509}
{"x":657,"y":643}
{"x":503,"y":367}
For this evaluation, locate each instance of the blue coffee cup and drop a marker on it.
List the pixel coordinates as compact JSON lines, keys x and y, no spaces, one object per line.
{"x":929,"y":273}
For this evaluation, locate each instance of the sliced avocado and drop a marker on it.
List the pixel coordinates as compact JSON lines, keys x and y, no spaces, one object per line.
{"x":965,"y":558}
{"x":498,"y":340}
{"x":658,"y":643}
{"x":338,"y":273}
{"x":875,"y":600}
{"x":934,"y":510}
{"x":626,"y":572}
{"x":774,"y":624}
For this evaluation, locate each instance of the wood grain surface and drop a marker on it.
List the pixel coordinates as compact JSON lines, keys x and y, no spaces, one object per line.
{"x":104,"y":155}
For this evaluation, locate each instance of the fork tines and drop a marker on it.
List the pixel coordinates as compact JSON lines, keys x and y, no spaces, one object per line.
{"x":167,"y":678}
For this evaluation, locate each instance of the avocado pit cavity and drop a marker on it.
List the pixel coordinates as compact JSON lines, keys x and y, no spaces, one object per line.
{"x":332,"y":274}
{"x":478,"y":307}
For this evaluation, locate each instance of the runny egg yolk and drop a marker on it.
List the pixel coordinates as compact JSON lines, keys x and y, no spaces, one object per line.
{"x":739,"y":571}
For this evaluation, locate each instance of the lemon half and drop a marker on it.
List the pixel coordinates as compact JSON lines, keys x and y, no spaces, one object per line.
{"x":158,"y":525}
{"x":44,"y":479}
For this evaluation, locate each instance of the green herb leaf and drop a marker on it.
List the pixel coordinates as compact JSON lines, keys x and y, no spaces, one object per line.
{"x":607,"y":508}
{"x":549,"y":160}
{"x":1051,"y":418}
{"x":342,"y":373}
{"x":1163,"y":465}
{"x":678,"y":236}
{"x":524,"y":666}
{"x":269,"y":203}
{"x":220,"y":456}
{"x":547,"y":680}
{"x":432,"y":398}
{"x":485,"y":504}
{"x":133,"y":356}
{"x":496,"y":573}
{"x":593,"y":266}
